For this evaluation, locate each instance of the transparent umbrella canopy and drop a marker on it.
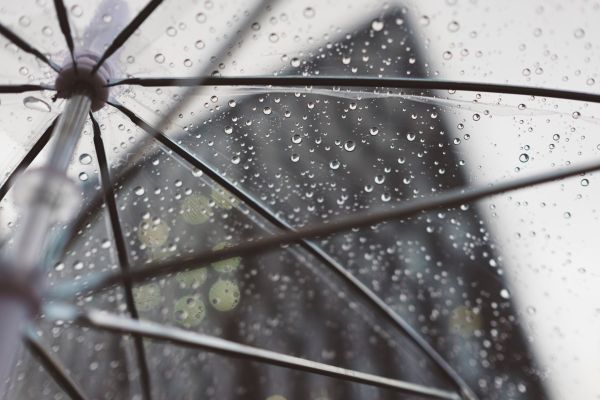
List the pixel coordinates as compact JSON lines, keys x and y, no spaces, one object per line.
{"x":280,"y":200}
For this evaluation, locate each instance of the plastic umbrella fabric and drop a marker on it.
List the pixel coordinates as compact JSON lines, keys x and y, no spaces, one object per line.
{"x":286,"y":200}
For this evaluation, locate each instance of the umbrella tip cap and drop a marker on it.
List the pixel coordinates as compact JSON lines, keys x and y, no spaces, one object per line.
{"x":82,"y":79}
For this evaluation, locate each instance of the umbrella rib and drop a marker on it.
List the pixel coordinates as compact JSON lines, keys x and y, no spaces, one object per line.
{"x":121,"y":250}
{"x":26,"y":47}
{"x":15,"y":89}
{"x":309,"y":246}
{"x":63,"y":21}
{"x":253,"y":15}
{"x":127,"y":32}
{"x":409,"y":208}
{"x":153,"y":330}
{"x":29,"y":157}
{"x":362,"y":81}
{"x":52,"y":365}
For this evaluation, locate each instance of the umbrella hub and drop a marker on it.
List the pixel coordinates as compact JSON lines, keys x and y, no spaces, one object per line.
{"x":82,"y":79}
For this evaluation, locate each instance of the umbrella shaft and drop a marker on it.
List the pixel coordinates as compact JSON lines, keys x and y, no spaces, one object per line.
{"x":39,"y":212}
{"x":44,"y":198}
{"x":68,"y":129}
{"x":13,"y":315}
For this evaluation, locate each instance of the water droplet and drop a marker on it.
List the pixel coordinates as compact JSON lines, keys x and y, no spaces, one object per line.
{"x":267,"y":110}
{"x":76,"y":10}
{"x":567,"y":215}
{"x":295,"y":157}
{"x":374,"y":131}
{"x":228,"y":129}
{"x":524,"y":157}
{"x":309,"y":12}
{"x":34,"y":103}
{"x":296,"y":139}
{"x":83,"y":177}
{"x":236,"y":160}
{"x":521,"y":106}
{"x":447,"y":55}
{"x":505,"y":294}
{"x":476,"y":117}
{"x":334,"y":164}
{"x":47,"y":31}
{"x":585,"y":182}
{"x":453,"y":26}
{"x":579,"y":33}
{"x":295,"y":62}
{"x":377,"y":25}
{"x":255,"y":26}
{"x":531,"y":310}
{"x":24,"y":21}
{"x":411,"y":136}
{"x":107,"y":18}
{"x":85,"y":159}
{"x":159,"y":58}
{"x":424,"y":20}
{"x":576,"y":115}
{"x":171,"y":31}
{"x":139,"y":190}
{"x":200,"y":44}
{"x":349,"y":145}
{"x":201,"y":18}
{"x":273,"y":37}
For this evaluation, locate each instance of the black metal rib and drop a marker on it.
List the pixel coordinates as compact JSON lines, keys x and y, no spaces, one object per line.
{"x":6,"y":89}
{"x":363,"y":81}
{"x":127,"y":32}
{"x":63,"y":21}
{"x":52,"y":365}
{"x":121,"y":249}
{"x":29,"y":157}
{"x":153,"y":330}
{"x":255,"y":15}
{"x":366,"y":293}
{"x":409,"y":208}
{"x":26,"y":47}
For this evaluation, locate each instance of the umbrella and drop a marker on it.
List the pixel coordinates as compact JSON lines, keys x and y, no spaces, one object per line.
{"x":326,"y":208}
